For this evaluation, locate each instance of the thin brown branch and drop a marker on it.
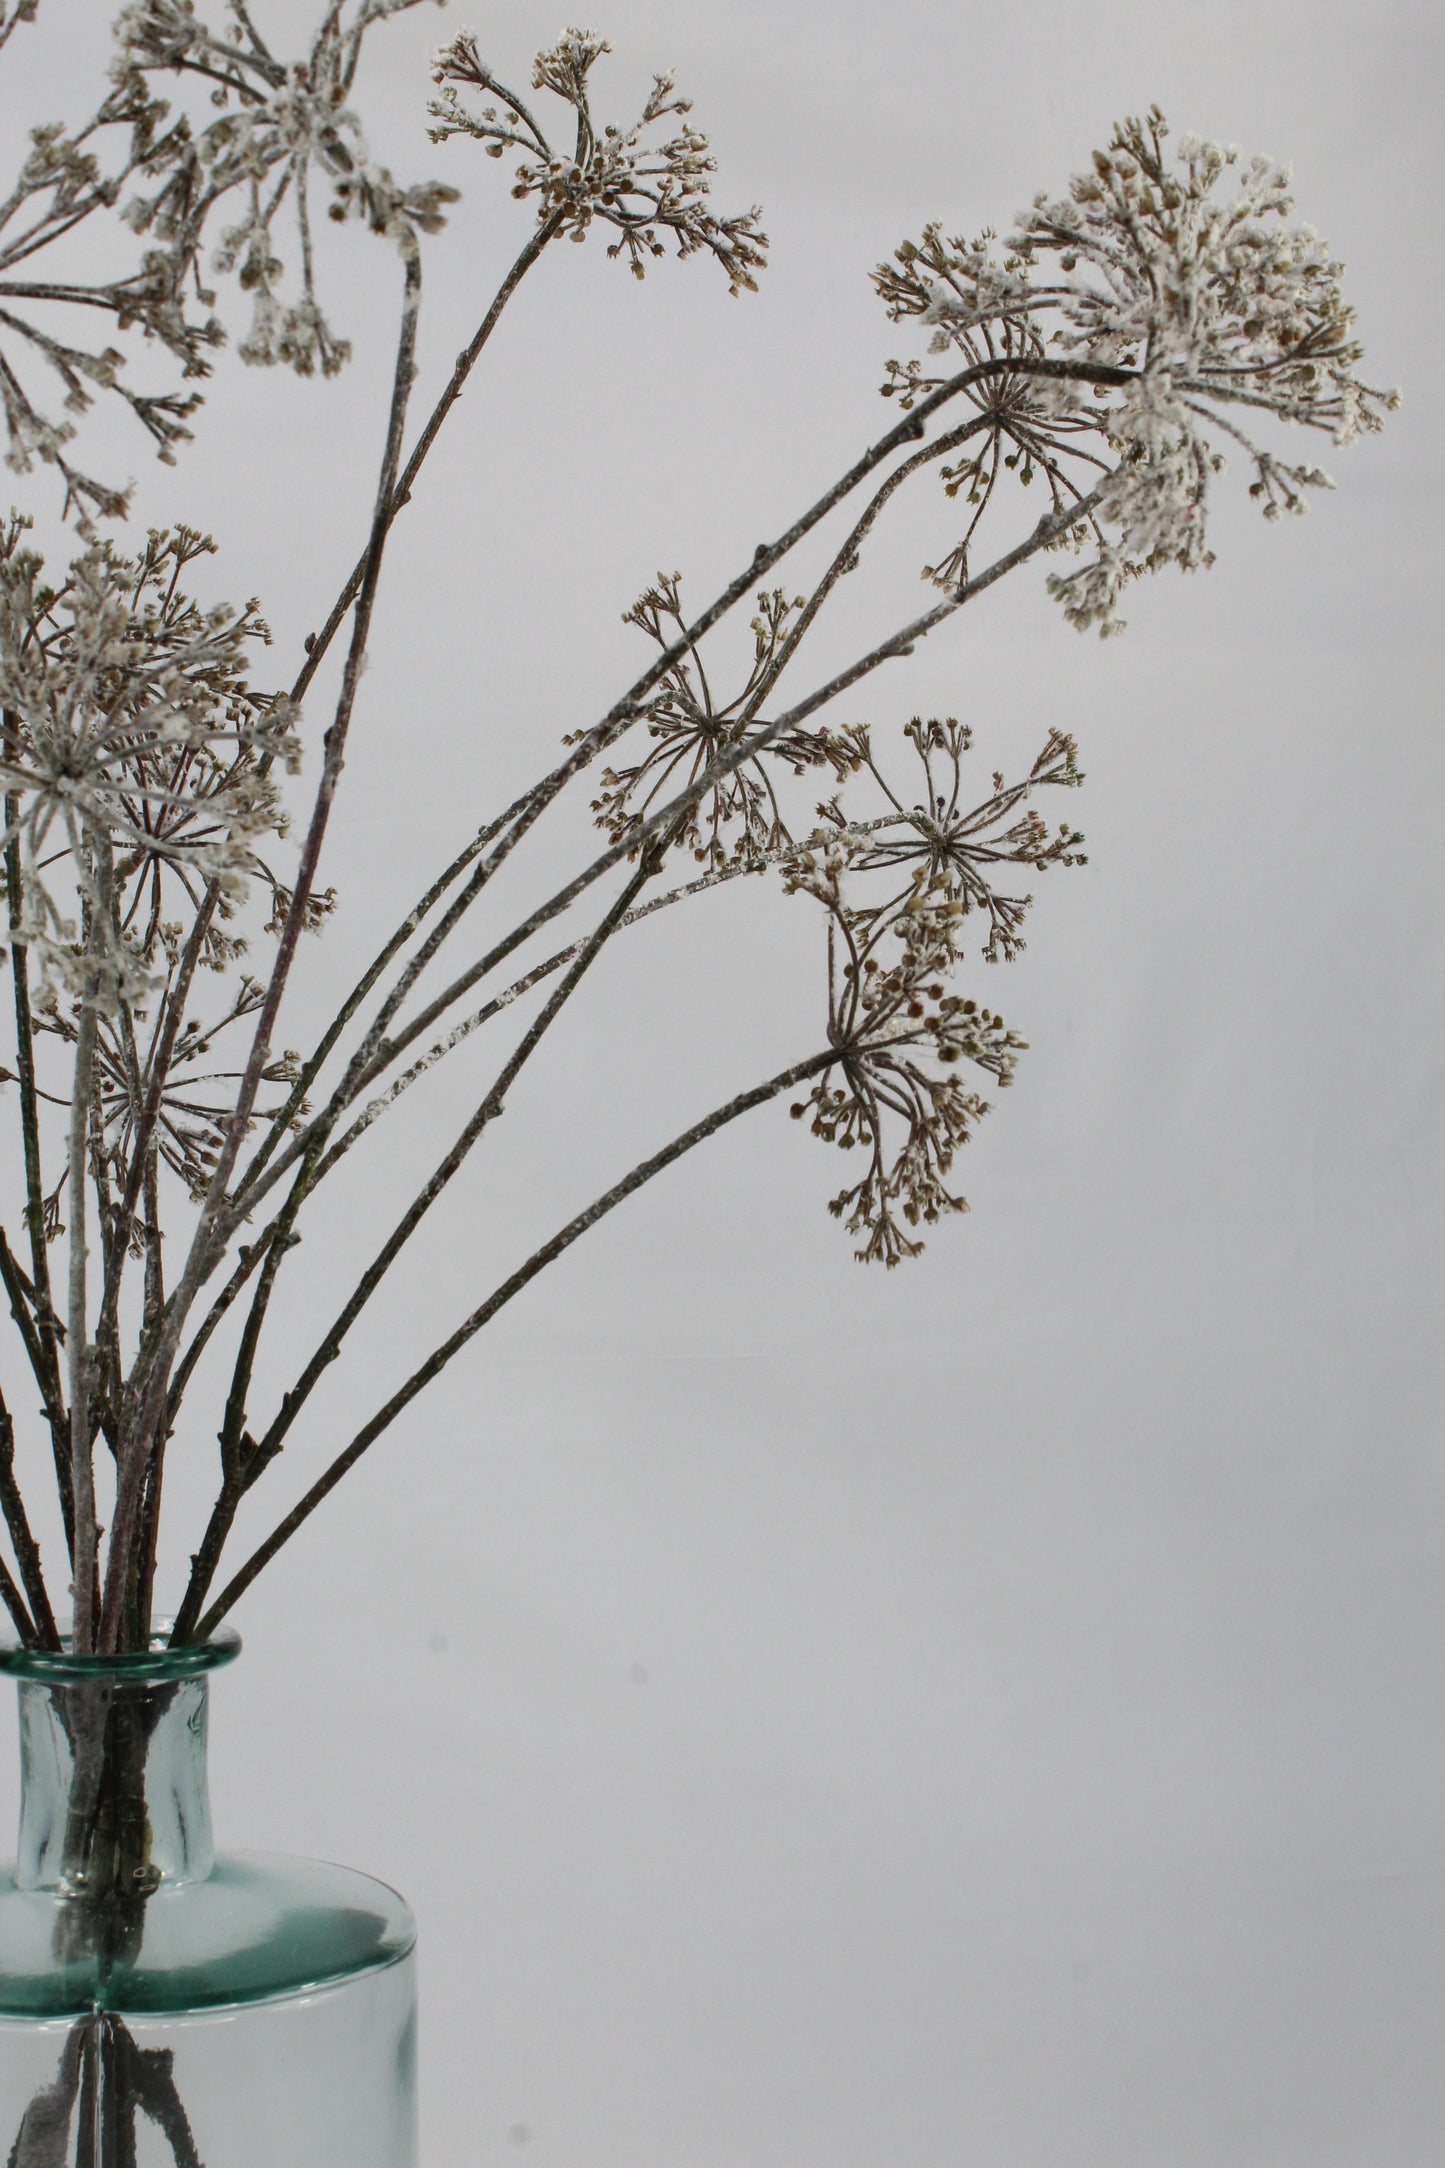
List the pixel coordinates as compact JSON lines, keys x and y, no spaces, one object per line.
{"x":240,"y":1468}
{"x":463,"y":1031}
{"x":176,"y":997}
{"x":846,"y":557}
{"x":250,"y":1256}
{"x":47,"y":1369}
{"x":419,"y":912}
{"x":14,"y":1603}
{"x":27,"y":1551}
{"x":22,"y":1301}
{"x":482,"y":1315}
{"x":204,"y":1247}
{"x":898,"y":644}
{"x":318,"y":643}
{"x":77,"y":1349}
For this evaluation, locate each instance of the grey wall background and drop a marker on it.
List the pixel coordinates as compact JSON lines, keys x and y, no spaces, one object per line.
{"x":990,"y":1714}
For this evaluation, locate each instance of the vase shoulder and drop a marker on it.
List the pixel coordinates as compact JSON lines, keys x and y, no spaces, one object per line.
{"x":259,"y":1926}
{"x":161,"y":2001}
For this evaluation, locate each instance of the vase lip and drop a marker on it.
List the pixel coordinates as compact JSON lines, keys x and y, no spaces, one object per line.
{"x":157,"y":1664}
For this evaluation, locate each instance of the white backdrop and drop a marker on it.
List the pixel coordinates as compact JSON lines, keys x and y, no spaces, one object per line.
{"x":989,"y":1714}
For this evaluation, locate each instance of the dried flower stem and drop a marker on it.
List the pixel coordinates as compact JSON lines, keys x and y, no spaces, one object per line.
{"x":253,"y":1256}
{"x":242,"y":1470}
{"x":419,"y":912}
{"x":208,"y":1236}
{"x":439,"y":1358}
{"x":43,"y":1345}
{"x":78,"y":1352}
{"x":469,"y":1025}
{"x":317,"y":643}
{"x":22,"y":12}
{"x":14,"y":1603}
{"x":19,"y":1295}
{"x":142,"y":1158}
{"x":896,"y":645}
{"x":846,"y":557}
{"x":39,"y":1631}
{"x":625,"y":711}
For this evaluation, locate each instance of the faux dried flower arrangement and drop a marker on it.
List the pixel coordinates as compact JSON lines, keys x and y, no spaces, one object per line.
{"x":1112,"y":349}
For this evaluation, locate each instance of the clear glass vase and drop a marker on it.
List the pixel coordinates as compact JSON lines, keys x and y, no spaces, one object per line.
{"x":166,"y":2006}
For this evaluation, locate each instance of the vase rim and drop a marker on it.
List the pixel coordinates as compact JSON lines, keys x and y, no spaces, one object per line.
{"x":159,"y":1663}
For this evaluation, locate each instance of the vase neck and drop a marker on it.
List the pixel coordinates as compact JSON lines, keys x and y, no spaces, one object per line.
{"x":113,"y":1792}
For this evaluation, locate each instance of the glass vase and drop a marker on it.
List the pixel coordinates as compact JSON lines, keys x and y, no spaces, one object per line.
{"x":166,"y":2006}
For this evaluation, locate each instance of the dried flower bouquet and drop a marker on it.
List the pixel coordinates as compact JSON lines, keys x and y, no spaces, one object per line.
{"x":1113,"y":349}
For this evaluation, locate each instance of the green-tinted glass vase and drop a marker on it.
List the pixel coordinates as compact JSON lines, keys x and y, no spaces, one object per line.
{"x":166,"y":2006}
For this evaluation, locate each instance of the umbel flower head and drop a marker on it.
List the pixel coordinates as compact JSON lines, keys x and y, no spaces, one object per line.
{"x":618,"y":177}
{"x":741,"y":814}
{"x":134,"y":754}
{"x":900,"y":1035}
{"x":195,"y":192}
{"x":1187,"y":312}
{"x":901,"y":892}
{"x":283,"y":129}
{"x":953,"y":847}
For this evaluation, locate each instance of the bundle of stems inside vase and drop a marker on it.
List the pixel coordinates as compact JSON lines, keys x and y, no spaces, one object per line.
{"x":1074,"y":391}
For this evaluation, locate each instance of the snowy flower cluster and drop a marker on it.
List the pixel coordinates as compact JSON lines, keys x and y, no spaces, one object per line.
{"x":955,"y":847}
{"x":642,"y":189}
{"x":262,"y":131}
{"x":895,"y":1090}
{"x":739,"y":816}
{"x":135,"y":759}
{"x":1168,"y":313}
{"x":281,"y":127}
